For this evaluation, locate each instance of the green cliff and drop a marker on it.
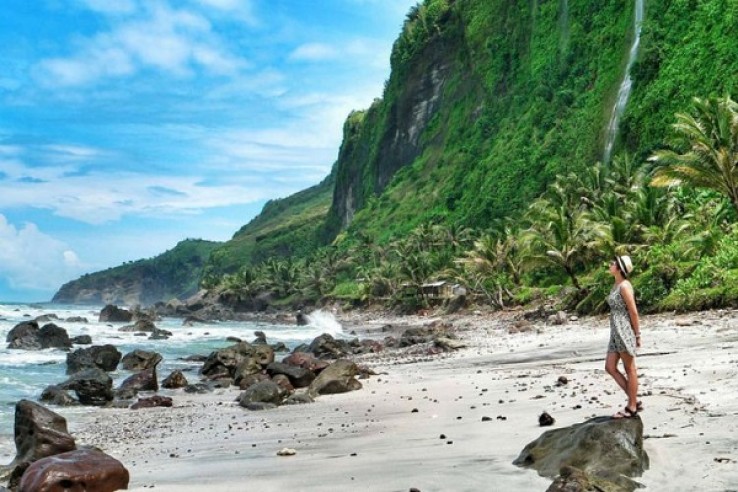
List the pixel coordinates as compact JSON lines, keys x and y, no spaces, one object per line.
{"x":487,"y":103}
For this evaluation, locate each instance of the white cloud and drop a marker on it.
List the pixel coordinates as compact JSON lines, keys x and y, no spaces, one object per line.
{"x":314,"y":52}
{"x":30,"y":259}
{"x":173,"y":41}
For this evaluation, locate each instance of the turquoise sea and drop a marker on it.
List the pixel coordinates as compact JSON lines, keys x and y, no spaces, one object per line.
{"x":24,"y":374}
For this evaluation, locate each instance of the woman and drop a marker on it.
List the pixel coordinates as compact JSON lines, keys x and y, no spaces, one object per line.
{"x":625,"y":335}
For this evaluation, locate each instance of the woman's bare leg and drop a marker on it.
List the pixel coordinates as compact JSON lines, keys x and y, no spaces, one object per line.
{"x":611,"y":366}
{"x":631,"y":375}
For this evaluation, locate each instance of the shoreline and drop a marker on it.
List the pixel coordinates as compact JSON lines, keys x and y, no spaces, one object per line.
{"x":388,"y":436}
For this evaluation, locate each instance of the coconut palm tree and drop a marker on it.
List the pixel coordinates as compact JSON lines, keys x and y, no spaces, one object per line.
{"x":561,"y":234}
{"x":709,"y":158}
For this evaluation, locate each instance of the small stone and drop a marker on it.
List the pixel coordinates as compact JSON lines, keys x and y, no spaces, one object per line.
{"x":286,"y":452}
{"x":544,"y":420}
{"x":486,"y":419}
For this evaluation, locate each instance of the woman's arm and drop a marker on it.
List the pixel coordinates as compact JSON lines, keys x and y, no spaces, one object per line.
{"x":626,"y":290}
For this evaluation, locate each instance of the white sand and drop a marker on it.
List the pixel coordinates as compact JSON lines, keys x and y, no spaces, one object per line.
{"x":372,"y":440}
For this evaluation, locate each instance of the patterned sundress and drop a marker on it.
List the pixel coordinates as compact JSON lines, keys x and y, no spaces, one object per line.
{"x":622,"y":338}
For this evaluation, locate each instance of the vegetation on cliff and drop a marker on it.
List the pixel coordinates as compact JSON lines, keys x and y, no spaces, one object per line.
{"x":173,"y":274}
{"x":479,"y":165}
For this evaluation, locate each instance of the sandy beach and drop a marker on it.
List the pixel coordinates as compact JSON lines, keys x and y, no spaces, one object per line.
{"x":450,"y":422}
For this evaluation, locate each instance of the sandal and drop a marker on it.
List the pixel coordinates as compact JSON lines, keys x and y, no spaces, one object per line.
{"x":626,"y":413}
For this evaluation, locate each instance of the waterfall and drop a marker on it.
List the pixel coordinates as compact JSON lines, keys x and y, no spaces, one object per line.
{"x":625,"y":85}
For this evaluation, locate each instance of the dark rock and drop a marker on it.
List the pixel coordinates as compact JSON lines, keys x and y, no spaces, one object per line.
{"x":299,"y":377}
{"x":248,"y":381}
{"x":175,"y":380}
{"x":264,"y":354}
{"x":80,"y":470}
{"x":301,"y":318}
{"x":82,"y":340}
{"x":260,"y":339}
{"x":93,"y":386}
{"x":416,"y":335}
{"x":192,"y":320}
{"x":144,"y":380}
{"x":154,"y":401}
{"x":195,"y":358}
{"x":233,"y":339}
{"x":262,"y":392}
{"x":28,"y":336}
{"x":327,"y":346}
{"x":302,"y":348}
{"x":39,"y":433}
{"x":139,"y":360}
{"x":247,"y":367}
{"x":200,"y":388}
{"x":339,"y":377}
{"x":52,"y":336}
{"x":575,"y":480}
{"x":306,"y":361}
{"x":545,"y":420}
{"x":562,"y":381}
{"x":604,"y":448}
{"x":142,"y":325}
{"x":105,"y":357}
{"x":24,"y":336}
{"x":114,"y":314}
{"x":46,"y":317}
{"x":228,"y":358}
{"x":284,"y":382}
{"x":159,"y":334}
{"x":54,"y":395}
{"x":280,"y":347}
{"x":76,"y":319}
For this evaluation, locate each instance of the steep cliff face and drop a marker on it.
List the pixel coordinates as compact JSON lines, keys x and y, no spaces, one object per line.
{"x":389,"y":135}
{"x":173,"y":274}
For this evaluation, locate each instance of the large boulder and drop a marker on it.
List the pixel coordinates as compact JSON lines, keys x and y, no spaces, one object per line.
{"x":142,"y":325}
{"x":105,"y":357}
{"x":141,"y":381}
{"x":339,"y":377}
{"x":606,"y":449}
{"x":28,"y":336}
{"x":262,"y":392}
{"x":226,"y":360}
{"x":299,"y":377}
{"x":93,"y":386}
{"x":111,"y":313}
{"x":39,"y":433}
{"x":138,"y":360}
{"x":81,"y":470}
{"x":306,"y":361}
{"x":54,"y":395}
{"x":175,"y":380}
{"x":327,"y":346}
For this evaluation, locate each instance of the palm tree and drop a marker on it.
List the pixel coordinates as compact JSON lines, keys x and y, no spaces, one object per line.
{"x":711,"y":156}
{"x":562,"y":235}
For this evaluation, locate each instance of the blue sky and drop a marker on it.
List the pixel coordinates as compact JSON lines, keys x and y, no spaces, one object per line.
{"x":129,"y":125}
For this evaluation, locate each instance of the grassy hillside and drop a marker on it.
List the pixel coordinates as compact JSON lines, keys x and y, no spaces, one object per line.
{"x":291,"y":226}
